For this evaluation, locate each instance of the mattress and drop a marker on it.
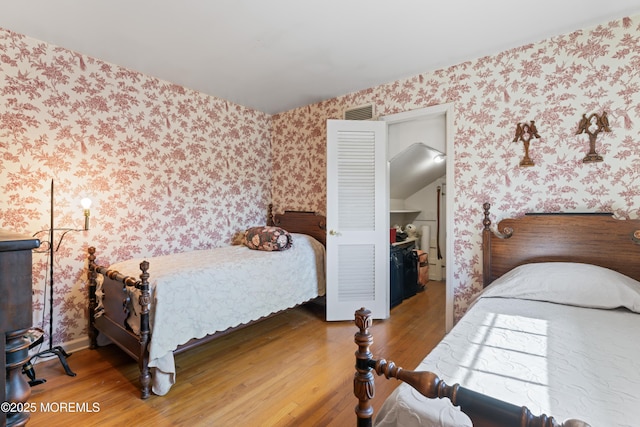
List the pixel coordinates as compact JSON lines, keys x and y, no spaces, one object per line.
{"x":199,"y":293}
{"x":570,"y":353}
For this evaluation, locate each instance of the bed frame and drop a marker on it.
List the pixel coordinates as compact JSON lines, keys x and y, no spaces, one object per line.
{"x":113,"y":319}
{"x":592,"y":238}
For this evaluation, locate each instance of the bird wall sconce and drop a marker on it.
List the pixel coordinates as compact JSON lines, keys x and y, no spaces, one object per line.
{"x":592,"y":126}
{"x":524,"y":133}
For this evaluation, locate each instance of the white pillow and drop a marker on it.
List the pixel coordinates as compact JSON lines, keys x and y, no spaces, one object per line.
{"x":578,"y":284}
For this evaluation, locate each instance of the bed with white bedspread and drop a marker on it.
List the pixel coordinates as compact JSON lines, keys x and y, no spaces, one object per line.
{"x":188,"y":298}
{"x":554,"y":331}
{"x":569,"y":350}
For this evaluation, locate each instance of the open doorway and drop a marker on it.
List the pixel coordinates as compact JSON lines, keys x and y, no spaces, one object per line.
{"x":421,"y":198}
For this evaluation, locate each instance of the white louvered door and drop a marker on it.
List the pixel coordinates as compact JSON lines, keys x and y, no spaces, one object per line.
{"x":357,"y":219}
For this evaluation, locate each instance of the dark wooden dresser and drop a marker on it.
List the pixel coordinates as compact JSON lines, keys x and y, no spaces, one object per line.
{"x":15,"y":320}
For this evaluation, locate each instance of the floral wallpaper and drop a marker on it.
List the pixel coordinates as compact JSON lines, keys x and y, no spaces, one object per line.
{"x":553,"y":82}
{"x":170,"y":169}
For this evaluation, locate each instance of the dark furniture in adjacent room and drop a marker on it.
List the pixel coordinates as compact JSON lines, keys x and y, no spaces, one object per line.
{"x":404,"y":271}
{"x":15,"y":320}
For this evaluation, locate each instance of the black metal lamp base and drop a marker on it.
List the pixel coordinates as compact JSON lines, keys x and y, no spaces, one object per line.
{"x":36,"y":336}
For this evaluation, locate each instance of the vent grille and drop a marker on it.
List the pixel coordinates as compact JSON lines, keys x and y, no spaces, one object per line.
{"x":363,"y":112}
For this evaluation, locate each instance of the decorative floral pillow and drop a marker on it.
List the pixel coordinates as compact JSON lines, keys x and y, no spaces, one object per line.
{"x":267,"y":238}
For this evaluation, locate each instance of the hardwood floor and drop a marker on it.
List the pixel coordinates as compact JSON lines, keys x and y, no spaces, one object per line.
{"x":293,"y":369}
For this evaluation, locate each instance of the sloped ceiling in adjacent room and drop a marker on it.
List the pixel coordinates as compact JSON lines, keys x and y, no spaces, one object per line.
{"x":413,"y":169}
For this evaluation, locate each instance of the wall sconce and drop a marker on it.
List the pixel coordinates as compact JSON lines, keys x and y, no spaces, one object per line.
{"x":86,"y":204}
{"x":525,"y":132}
{"x":592,"y":126}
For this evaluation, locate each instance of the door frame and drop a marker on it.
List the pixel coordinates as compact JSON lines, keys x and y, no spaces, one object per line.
{"x":448,"y":111}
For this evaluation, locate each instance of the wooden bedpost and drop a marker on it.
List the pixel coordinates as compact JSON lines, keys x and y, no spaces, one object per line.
{"x":363,"y":381}
{"x":270,"y":214}
{"x":486,"y":247}
{"x":93,"y":283}
{"x":487,"y":233}
{"x":143,"y":359}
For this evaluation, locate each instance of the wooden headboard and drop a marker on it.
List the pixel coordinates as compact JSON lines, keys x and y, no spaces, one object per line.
{"x":592,"y":238}
{"x":303,"y":222}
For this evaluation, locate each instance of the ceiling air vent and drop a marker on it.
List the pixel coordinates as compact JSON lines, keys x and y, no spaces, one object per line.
{"x":363,"y":112}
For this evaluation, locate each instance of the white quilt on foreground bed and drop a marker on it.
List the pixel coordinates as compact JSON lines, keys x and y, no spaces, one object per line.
{"x":202,"y":292}
{"x":562,"y":360}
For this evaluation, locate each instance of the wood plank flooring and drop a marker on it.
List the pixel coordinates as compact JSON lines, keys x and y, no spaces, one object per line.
{"x":293,"y":369}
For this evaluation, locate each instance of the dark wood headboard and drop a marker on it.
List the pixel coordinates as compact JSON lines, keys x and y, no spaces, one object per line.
{"x":591,"y":238}
{"x":303,"y":222}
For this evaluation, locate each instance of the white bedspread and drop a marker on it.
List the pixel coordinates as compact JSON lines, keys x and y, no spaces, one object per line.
{"x":562,"y":360}
{"x":202,"y":292}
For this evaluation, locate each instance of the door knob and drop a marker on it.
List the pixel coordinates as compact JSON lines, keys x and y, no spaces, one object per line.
{"x":335,"y":233}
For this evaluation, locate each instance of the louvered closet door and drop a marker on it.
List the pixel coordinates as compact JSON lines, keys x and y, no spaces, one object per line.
{"x":357,"y":219}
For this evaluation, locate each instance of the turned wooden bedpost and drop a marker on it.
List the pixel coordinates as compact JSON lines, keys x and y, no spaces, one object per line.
{"x":363,"y":381}
{"x":93,"y":283}
{"x":486,"y":247}
{"x":270,"y":214}
{"x":145,"y":300}
{"x":487,"y":233}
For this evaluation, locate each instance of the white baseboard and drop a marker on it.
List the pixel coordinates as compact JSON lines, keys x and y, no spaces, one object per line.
{"x":70,"y":347}
{"x":76,"y":345}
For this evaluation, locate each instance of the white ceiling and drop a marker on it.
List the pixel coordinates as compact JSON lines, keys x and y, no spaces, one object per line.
{"x":275,"y":55}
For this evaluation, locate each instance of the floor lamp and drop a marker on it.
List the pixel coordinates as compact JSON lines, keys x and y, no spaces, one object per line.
{"x":51,"y":250}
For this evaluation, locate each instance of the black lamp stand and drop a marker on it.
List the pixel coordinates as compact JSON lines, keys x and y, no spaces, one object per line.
{"x":28,"y":368}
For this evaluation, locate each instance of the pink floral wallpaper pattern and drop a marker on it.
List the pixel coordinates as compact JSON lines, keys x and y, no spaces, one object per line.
{"x":170,"y":169}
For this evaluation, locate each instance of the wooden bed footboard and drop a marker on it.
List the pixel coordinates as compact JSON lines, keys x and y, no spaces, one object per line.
{"x":483,"y":410}
{"x":111,"y":318}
